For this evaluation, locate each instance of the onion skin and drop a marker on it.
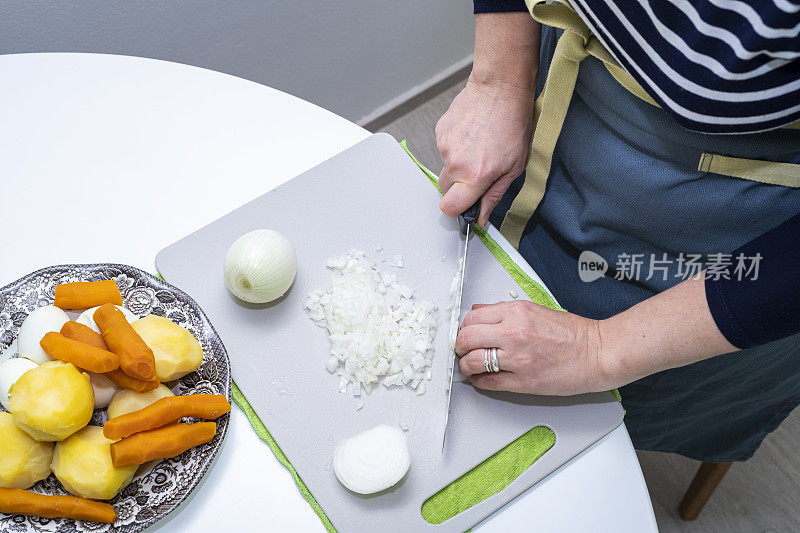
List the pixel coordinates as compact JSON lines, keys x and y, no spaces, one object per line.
{"x":372,"y":461}
{"x":260,"y":266}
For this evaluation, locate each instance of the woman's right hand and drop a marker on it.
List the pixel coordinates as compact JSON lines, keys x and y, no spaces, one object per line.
{"x":484,"y":135}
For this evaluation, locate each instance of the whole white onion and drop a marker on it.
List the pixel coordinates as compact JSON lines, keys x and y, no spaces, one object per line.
{"x":260,"y":266}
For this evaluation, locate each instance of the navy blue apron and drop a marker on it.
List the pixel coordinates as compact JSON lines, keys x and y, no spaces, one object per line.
{"x":624,"y":181}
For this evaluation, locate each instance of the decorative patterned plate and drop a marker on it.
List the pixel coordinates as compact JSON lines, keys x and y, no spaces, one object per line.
{"x":157,"y":491}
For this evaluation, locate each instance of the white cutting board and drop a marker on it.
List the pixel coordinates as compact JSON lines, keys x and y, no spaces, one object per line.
{"x":371,"y":195}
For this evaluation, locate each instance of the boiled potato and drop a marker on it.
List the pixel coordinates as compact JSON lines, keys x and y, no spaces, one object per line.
{"x":127,"y":401}
{"x":52,"y":401}
{"x":82,"y":463}
{"x":177,"y":352}
{"x":23,"y":461}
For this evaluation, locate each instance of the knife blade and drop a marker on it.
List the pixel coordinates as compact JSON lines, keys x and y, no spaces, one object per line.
{"x":465,"y":221}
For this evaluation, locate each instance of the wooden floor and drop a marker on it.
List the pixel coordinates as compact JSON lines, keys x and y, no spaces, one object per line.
{"x":761,"y":495}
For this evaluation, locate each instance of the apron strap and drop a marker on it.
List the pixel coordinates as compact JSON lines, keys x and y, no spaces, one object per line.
{"x":770,"y":172}
{"x":550,"y":109}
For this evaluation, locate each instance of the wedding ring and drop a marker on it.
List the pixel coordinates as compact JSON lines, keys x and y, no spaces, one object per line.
{"x":490,"y":362}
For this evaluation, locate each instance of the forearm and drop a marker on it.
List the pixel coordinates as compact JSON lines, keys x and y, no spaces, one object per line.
{"x":506,"y":51}
{"x":671,"y":329}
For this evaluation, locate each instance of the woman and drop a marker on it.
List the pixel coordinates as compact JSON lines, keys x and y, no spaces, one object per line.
{"x":663,"y":136}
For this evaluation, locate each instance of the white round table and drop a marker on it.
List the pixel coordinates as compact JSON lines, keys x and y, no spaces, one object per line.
{"x":110,"y":158}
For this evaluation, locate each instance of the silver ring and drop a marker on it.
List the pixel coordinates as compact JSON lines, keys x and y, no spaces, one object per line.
{"x":490,"y":362}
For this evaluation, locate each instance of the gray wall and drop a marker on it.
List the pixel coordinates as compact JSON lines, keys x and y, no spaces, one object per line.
{"x":350,"y":56}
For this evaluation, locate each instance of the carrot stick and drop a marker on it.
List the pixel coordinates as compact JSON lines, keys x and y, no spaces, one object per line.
{"x":24,"y":502}
{"x":135,"y":358}
{"x":78,"y":332}
{"x":86,"y":294}
{"x":80,"y":354}
{"x":164,"y":411}
{"x":160,"y":443}
{"x":121,"y":379}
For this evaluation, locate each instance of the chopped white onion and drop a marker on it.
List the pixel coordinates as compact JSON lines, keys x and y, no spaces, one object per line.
{"x":513,"y":293}
{"x":378,"y":331}
{"x":373,"y":460}
{"x":260,"y":266}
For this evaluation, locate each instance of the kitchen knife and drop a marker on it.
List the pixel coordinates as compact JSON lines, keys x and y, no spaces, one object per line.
{"x":465,"y":221}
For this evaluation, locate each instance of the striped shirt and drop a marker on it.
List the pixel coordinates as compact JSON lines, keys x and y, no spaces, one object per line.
{"x":717,"y":66}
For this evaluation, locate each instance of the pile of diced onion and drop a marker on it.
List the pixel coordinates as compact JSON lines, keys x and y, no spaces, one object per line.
{"x":377,"y":330}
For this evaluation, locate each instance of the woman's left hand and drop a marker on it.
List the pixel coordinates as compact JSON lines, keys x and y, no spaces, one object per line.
{"x":540,"y":351}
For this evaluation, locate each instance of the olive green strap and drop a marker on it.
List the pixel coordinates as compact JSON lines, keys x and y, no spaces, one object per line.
{"x":785,"y":174}
{"x":549,"y":110}
{"x":551,"y":107}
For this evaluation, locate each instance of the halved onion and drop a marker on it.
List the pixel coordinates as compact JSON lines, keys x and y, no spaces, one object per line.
{"x":373,"y":460}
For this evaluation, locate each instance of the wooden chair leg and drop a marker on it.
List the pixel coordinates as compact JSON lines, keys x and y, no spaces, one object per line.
{"x":702,"y":487}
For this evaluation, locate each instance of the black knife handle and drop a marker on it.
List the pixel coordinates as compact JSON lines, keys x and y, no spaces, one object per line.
{"x":470,"y":216}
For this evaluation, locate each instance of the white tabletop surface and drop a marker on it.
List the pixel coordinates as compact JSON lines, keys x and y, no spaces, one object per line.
{"x":110,"y":158}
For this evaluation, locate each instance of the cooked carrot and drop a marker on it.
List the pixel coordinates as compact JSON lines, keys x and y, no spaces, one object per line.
{"x":86,"y":294}
{"x":25,"y":502}
{"x":121,"y":379}
{"x":160,"y":443}
{"x":167,"y":410}
{"x":135,"y":357}
{"x":78,"y":332}
{"x":78,"y":353}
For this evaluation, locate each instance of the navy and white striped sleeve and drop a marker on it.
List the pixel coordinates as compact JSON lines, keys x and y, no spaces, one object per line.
{"x":717,"y":66}
{"x":498,"y":6}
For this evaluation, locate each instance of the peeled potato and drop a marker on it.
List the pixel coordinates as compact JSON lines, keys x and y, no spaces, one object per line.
{"x":82,"y":463}
{"x":177,"y":352}
{"x":52,"y":401}
{"x":127,"y":401}
{"x":23,"y":461}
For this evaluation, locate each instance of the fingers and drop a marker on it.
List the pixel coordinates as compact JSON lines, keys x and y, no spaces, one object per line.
{"x":488,"y":313}
{"x":485,"y":314}
{"x":445,"y":180}
{"x":502,"y":380}
{"x":472,"y":363}
{"x":459,"y":197}
{"x":492,"y":197}
{"x":478,"y":336}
